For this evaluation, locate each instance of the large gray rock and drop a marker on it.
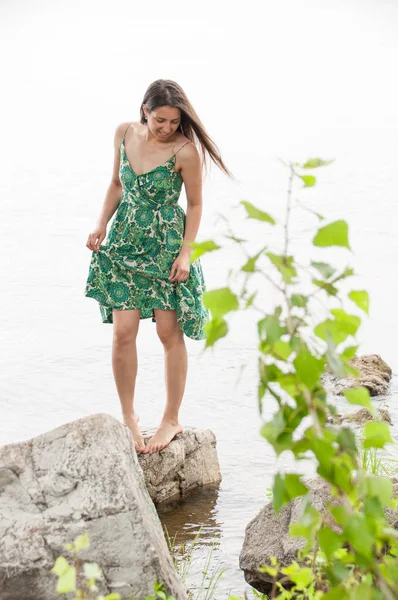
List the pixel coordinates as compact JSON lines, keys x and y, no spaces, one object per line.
{"x":268,"y":534}
{"x":188,"y":463}
{"x":375,"y":375}
{"x":81,"y":477}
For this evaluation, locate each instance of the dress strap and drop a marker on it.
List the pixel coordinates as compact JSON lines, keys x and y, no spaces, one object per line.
{"x":182,"y":147}
{"x":124,"y":135}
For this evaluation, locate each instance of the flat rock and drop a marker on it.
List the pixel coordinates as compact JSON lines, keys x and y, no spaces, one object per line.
{"x":187,"y":464}
{"x":375,"y":375}
{"x":360,"y":417}
{"x":81,"y":477}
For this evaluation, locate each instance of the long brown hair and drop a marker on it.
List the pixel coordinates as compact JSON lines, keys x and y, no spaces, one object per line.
{"x":164,"y":92}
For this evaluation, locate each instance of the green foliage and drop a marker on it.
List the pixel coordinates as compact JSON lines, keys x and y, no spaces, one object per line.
{"x":184,"y":559}
{"x":286,"y":488}
{"x":334,"y":234}
{"x":159,"y":593}
{"x":201,"y":248}
{"x":255,"y":213}
{"x":361,"y":396}
{"x":350,"y":551}
{"x":78,"y":580}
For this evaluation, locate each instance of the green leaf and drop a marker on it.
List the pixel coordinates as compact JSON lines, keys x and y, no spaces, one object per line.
{"x":325,"y":269}
{"x":215,"y":329}
{"x":334,"y":234}
{"x":309,"y":180}
{"x":329,"y":541}
{"x":334,"y":361}
{"x":286,"y":488}
{"x":284,"y":264}
{"x":250,"y":300}
{"x":235,"y":239}
{"x":220,"y":301}
{"x":250,"y":266}
{"x":313,"y":163}
{"x":200,"y":248}
{"x":360,"y":396}
{"x":82,"y":542}
{"x":301,"y":576}
{"x":346,"y":439}
{"x":377,"y":434}
{"x":270,"y":329}
{"x":361,"y":299}
{"x":61,"y":565}
{"x":324,"y":285}
{"x":349,"y":352}
{"x":348,"y":272}
{"x":337,"y":593}
{"x":281,"y":350}
{"x":381,"y":488}
{"x":299,"y":300}
{"x":308,"y":368}
{"x":92,"y":571}
{"x":358,"y":535}
{"x":67,"y":581}
{"x":364,"y":591}
{"x":256,"y":213}
{"x":113,"y":596}
{"x":340,"y":328}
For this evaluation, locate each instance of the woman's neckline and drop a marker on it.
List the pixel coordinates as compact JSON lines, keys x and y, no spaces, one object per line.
{"x":151,"y":170}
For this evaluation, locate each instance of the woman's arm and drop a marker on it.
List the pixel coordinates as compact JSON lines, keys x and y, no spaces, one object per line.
{"x":112,"y":198}
{"x":191,"y":172}
{"x":114,"y":192}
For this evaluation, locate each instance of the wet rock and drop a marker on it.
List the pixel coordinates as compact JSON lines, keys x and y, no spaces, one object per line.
{"x":81,"y":477}
{"x":268,"y":534}
{"x":187,"y":464}
{"x":360,"y":417}
{"x":375,"y":375}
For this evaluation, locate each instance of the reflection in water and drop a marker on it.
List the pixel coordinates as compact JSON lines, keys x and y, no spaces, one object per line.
{"x":184,"y":518}
{"x":195,"y":535}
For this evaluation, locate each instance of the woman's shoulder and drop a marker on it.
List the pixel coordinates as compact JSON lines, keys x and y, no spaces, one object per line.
{"x":123,"y":127}
{"x":186,"y":148}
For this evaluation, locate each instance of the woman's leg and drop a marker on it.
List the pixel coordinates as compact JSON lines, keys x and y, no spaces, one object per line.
{"x":176,"y":364}
{"x":125,"y":364}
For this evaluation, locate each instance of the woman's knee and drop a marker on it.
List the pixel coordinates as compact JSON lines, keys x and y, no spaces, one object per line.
{"x":125,"y":326}
{"x":169,"y":333}
{"x":123,"y":336}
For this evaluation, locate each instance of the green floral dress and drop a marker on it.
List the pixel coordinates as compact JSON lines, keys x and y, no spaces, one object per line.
{"x":131,"y":269}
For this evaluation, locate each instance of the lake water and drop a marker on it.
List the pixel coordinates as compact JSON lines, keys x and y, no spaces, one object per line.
{"x":301,"y":80}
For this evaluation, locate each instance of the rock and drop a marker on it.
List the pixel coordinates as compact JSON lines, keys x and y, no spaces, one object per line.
{"x":360,"y":417}
{"x":81,"y":477}
{"x":268,"y":534}
{"x":375,"y":375}
{"x":187,"y":464}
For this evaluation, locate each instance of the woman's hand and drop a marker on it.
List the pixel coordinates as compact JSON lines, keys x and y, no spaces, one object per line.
{"x":180,"y":268}
{"x":96,"y":238}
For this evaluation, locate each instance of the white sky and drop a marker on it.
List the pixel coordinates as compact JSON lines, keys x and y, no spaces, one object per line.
{"x":258,"y":73}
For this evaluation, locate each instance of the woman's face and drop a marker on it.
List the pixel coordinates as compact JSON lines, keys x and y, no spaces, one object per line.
{"x":163,"y":121}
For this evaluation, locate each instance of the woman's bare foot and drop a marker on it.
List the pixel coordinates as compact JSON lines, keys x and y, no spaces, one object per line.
{"x":132,"y":423}
{"x":166,"y":431}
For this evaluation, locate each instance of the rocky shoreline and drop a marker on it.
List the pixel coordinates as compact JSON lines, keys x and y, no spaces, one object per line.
{"x":85,"y":477}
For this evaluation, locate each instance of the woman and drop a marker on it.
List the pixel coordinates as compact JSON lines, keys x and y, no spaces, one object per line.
{"x":144,"y":268}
